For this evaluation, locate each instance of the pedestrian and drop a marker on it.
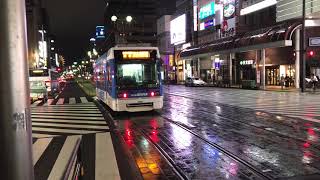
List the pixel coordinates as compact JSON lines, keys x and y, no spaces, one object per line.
{"x":287,"y":81}
{"x":314,"y":81}
{"x":282,"y":79}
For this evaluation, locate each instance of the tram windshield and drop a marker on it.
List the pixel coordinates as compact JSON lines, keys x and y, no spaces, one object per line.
{"x":135,"y":75}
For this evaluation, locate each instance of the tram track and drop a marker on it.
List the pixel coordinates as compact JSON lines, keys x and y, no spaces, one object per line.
{"x":168,"y":159}
{"x":179,"y":171}
{"x":253,"y":125}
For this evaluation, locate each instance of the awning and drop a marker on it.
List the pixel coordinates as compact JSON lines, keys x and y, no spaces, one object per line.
{"x":271,"y":37}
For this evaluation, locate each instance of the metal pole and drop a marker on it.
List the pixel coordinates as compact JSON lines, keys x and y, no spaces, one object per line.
{"x":15,"y":123}
{"x":303,"y":48}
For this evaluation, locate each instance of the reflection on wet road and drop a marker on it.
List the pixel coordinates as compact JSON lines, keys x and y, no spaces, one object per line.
{"x":207,"y":140}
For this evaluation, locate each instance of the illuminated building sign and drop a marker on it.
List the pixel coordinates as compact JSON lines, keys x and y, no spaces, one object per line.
{"x":207,"y":11}
{"x":256,"y":6}
{"x":246,"y":62}
{"x":209,"y":23}
{"x":136,"y":55}
{"x":229,"y":10}
{"x":178,"y":30}
{"x":100,"y":33}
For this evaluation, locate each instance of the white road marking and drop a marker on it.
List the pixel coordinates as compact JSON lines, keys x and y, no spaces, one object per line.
{"x":62,"y":161}
{"x":39,"y":147}
{"x":71,"y":131}
{"x":36,"y":135}
{"x":70,"y":121}
{"x":84,"y":100}
{"x":69,"y":114}
{"x":60,"y":101}
{"x":106,"y":164}
{"x":36,"y":103}
{"x":59,"y":111}
{"x":67,"y":117}
{"x":72,"y":101}
{"x":55,"y":125}
{"x":49,"y":102}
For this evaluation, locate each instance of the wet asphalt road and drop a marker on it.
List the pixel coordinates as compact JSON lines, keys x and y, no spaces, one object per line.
{"x":201,"y":139}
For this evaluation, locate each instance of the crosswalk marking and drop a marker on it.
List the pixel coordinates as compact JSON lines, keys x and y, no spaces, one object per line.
{"x":70,"y":121}
{"x":36,"y":103}
{"x":106,"y":164}
{"x":39,"y":147}
{"x":49,"y":102}
{"x":83,"y":99}
{"x":50,"y":121}
{"x":55,"y":125}
{"x":62,"y":161}
{"x":72,"y":101}
{"x":60,"y":101}
{"x":59,"y":155}
{"x":67,"y":114}
{"x":53,"y":130}
{"x":68,"y":111}
{"x":40,"y":136}
{"x":66,"y":117}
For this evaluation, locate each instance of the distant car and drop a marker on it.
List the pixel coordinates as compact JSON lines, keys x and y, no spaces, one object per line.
{"x":194,"y":82}
{"x":38,"y":91}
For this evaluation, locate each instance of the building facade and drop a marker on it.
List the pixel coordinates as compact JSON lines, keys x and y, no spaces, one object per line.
{"x":165,"y":46}
{"x":247,"y":43}
{"x":39,"y":50}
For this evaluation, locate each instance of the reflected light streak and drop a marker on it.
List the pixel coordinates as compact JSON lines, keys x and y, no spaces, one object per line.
{"x":182,"y":138}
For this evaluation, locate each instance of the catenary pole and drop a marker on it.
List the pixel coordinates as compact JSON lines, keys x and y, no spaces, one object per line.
{"x":15,"y":123}
{"x":303,"y":48}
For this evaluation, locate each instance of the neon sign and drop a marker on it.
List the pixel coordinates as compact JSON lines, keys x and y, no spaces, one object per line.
{"x":207,"y":10}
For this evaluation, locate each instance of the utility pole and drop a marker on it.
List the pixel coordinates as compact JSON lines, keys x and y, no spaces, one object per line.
{"x":15,"y":124}
{"x":303,"y":48}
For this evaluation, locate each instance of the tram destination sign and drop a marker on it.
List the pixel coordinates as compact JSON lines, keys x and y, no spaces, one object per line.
{"x":127,"y":55}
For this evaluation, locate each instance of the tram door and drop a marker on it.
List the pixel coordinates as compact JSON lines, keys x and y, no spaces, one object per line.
{"x":273,"y":75}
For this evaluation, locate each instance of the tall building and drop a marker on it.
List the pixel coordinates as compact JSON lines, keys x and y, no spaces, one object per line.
{"x":37,"y":32}
{"x":33,"y":11}
{"x":141,"y":29}
{"x":165,"y":46}
{"x":249,"y":43}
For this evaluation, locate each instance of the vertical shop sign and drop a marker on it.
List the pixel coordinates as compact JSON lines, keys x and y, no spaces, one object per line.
{"x":228,"y":25}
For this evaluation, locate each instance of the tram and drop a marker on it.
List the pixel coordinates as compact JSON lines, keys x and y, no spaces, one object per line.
{"x":129,"y":79}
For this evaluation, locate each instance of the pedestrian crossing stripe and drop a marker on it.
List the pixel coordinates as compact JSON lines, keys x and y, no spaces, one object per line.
{"x":61,"y":101}
{"x":72,"y":100}
{"x":61,"y":121}
{"x":51,"y":156}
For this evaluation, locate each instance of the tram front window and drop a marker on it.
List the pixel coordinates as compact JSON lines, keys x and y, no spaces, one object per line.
{"x":136,"y":75}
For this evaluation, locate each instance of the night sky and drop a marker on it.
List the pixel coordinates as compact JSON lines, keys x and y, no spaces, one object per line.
{"x":73,"y":23}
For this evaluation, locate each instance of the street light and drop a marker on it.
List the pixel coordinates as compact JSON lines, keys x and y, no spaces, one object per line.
{"x":129,"y":19}
{"x":95,"y":52}
{"x":114,"y":18}
{"x":90,"y":54}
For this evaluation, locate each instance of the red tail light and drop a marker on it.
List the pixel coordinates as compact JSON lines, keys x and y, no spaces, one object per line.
{"x":125,"y":95}
{"x":152,"y":94}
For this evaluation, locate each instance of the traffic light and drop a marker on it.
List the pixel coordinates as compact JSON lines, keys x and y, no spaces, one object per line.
{"x":311,"y":53}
